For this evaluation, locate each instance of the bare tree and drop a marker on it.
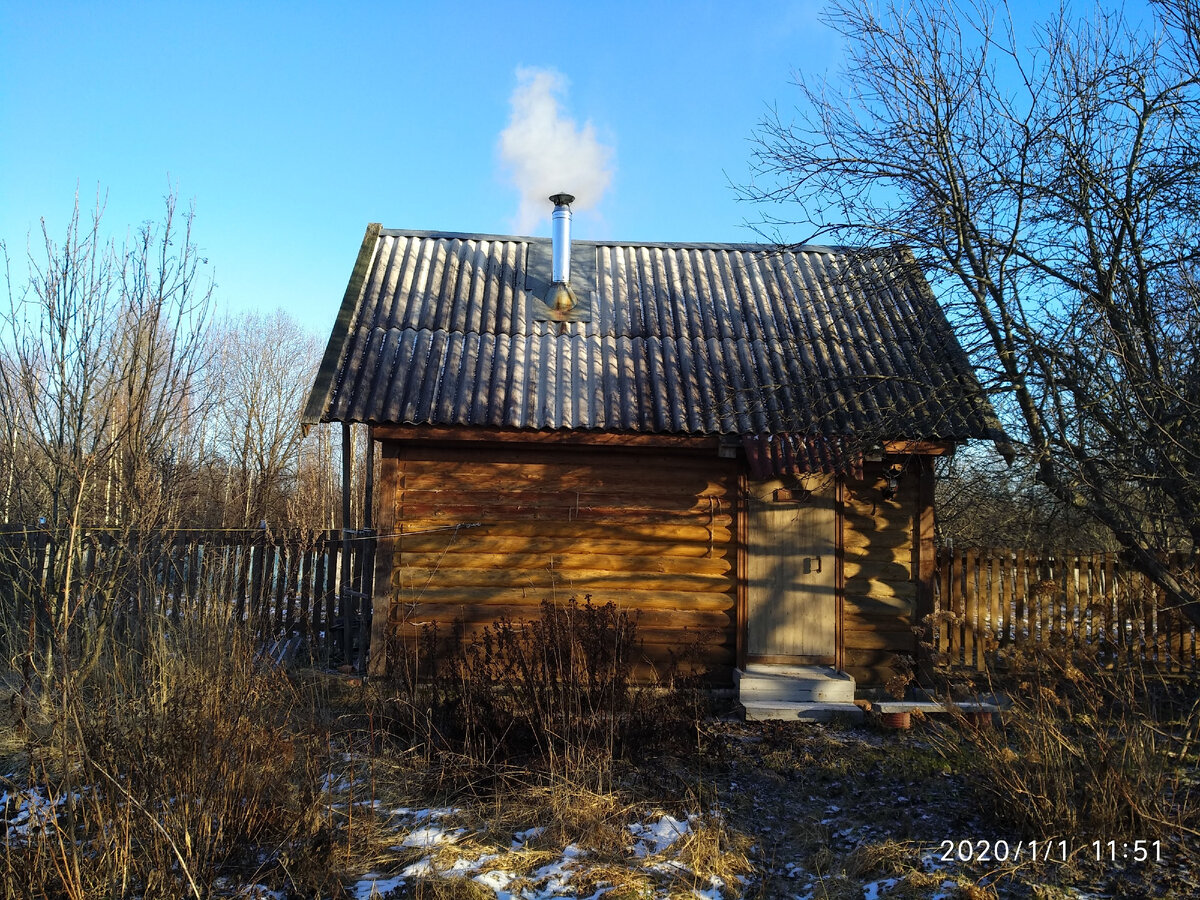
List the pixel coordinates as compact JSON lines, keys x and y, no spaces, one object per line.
{"x":1050,"y":186}
{"x":265,"y":365}
{"x":58,"y":373}
{"x":982,"y":502}
{"x":102,"y":347}
{"x":161,"y":351}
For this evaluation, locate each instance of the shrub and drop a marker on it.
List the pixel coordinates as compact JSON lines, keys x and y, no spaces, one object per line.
{"x":1084,"y":749}
{"x":167,"y":769}
{"x":559,"y":687}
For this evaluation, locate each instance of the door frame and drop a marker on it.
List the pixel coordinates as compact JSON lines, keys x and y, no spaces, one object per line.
{"x":743,"y":586}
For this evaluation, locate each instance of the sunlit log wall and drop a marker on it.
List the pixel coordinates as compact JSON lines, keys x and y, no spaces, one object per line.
{"x":889,"y":556}
{"x":482,"y":532}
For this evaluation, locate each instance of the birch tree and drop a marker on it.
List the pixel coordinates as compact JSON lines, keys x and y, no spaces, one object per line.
{"x":265,"y":365}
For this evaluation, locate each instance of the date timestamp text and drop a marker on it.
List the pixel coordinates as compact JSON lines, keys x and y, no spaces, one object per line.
{"x":1002,"y":851}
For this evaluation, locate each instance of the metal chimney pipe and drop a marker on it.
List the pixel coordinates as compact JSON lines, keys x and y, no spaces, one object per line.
{"x":560,"y":233}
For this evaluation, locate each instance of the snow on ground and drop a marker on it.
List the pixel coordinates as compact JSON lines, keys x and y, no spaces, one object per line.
{"x":23,"y":810}
{"x":431,"y":835}
{"x":657,"y":837}
{"x":650,"y":853}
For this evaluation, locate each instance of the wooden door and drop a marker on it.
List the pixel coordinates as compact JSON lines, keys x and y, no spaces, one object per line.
{"x":791,"y":601}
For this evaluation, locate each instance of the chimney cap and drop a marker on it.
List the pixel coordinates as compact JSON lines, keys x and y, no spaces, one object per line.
{"x":562,"y":199}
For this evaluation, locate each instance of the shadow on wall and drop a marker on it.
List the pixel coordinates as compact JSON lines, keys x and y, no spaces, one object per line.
{"x":492,"y":535}
{"x":881,"y":576}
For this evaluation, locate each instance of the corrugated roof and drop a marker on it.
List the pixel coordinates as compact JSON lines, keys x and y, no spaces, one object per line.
{"x":440,"y":329}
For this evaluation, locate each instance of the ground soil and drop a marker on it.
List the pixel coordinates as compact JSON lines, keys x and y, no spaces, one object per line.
{"x":866,"y":811}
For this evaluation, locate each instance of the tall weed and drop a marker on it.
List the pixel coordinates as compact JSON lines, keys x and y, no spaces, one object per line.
{"x":1085,"y":749}
{"x":167,"y":769}
{"x":560,"y":688}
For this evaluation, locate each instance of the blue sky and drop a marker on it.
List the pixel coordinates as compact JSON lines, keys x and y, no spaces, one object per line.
{"x":291,"y":126}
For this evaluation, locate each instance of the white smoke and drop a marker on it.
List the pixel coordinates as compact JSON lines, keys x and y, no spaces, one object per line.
{"x":545,"y":152}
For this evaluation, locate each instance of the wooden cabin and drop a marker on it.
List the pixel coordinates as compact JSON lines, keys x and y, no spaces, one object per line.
{"x":734,"y":441}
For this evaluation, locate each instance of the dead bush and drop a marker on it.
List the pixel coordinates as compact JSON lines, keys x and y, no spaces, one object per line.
{"x":560,"y":688}
{"x":1085,"y":749}
{"x":167,"y":770}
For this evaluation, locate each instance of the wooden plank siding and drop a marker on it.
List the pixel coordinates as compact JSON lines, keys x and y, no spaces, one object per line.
{"x":482,"y":531}
{"x":490,"y":529}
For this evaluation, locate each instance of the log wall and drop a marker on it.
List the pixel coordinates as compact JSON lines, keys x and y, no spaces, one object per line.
{"x":882,"y":568}
{"x":484,"y":531}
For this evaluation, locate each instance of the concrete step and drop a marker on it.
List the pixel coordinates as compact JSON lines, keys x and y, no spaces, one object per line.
{"x":762,"y":711}
{"x":930,"y":707}
{"x":793,"y":684}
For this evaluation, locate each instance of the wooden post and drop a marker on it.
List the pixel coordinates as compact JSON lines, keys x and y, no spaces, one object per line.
{"x":995,"y":621}
{"x":366,"y":570}
{"x":319,"y":622}
{"x":951,"y":603}
{"x":1071,"y":565}
{"x":344,"y":569}
{"x":1025,"y":634}
{"x":331,"y":549}
{"x":926,"y":568}
{"x":384,"y":557}
{"x":369,"y":482}
{"x":971,"y":649}
{"x":258,"y":569}
{"x":304,"y":576}
{"x":741,"y":560}
{"x":241,"y":568}
{"x":945,"y":630}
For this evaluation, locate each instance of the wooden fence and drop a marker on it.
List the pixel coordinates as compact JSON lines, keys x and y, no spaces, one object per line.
{"x":291,"y":588}
{"x":988,"y":602}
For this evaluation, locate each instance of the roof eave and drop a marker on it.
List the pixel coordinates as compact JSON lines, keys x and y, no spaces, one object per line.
{"x":316,"y":407}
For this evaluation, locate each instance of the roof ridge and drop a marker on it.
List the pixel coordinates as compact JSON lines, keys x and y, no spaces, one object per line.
{"x":746,"y":246}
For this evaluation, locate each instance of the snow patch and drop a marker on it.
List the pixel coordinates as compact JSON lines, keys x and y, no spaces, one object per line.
{"x":657,"y":837}
{"x":523,"y":837}
{"x":33,"y":810}
{"x":431,"y":836}
{"x":497,"y":881}
{"x":375,"y":885}
{"x":875,"y":889}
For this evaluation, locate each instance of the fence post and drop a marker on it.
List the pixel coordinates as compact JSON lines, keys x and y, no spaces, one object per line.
{"x":993,"y":606}
{"x":366,"y":591}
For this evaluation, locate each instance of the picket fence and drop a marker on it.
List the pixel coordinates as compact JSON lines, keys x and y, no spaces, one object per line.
{"x":292,"y":588}
{"x":990,"y":602}
{"x":296,"y":587}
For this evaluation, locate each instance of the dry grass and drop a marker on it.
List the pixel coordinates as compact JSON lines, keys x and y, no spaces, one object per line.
{"x":453,"y":887}
{"x":1084,"y":751}
{"x":712,"y":852}
{"x":170,"y":764}
{"x":887,"y":858}
{"x":188,"y":762}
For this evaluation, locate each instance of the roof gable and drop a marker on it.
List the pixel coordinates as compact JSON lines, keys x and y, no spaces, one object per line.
{"x":439,"y":329}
